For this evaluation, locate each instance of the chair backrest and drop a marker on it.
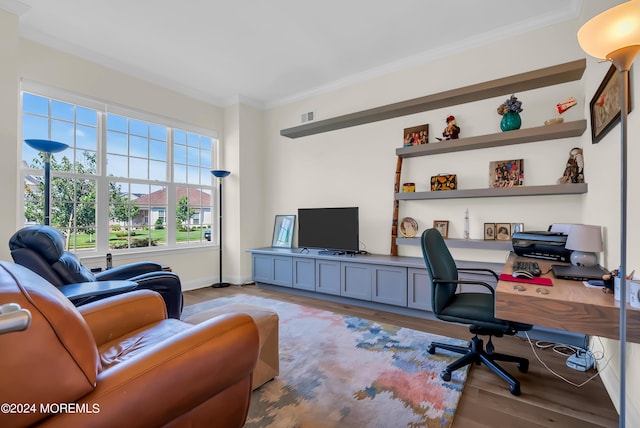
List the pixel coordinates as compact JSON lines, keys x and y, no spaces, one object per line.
{"x":441,"y":266}
{"x":55,"y":360}
{"x":41,"y":249}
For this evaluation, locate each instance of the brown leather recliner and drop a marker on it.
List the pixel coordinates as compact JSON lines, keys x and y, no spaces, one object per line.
{"x":120,"y":362}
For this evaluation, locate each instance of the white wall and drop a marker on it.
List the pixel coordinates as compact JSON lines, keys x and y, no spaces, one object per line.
{"x":356,"y":166}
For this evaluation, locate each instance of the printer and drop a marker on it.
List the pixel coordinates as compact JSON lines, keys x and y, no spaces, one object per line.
{"x":541,"y":245}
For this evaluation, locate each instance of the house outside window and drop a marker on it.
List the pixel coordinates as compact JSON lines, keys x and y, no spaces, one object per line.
{"x":127,"y":180}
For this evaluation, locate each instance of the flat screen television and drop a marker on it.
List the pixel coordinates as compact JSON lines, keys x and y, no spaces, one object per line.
{"x":332,"y":229}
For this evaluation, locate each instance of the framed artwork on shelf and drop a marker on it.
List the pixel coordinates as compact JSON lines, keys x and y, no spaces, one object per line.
{"x":503,"y":231}
{"x":517,"y":227}
{"x":442,"y":226}
{"x":489,"y":231}
{"x":604,"y":107}
{"x":416,"y":135}
{"x":283,"y":231}
{"x":506,"y":173}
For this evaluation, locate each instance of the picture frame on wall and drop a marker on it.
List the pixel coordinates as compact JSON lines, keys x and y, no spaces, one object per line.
{"x":604,"y":107}
{"x":503,"y":231}
{"x":489,"y":231}
{"x":442,"y":226}
{"x":283,"y":227}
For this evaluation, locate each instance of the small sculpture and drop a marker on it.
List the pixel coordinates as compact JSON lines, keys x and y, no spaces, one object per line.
{"x":574,"y":171}
{"x":561,"y":107}
{"x":451,"y":131}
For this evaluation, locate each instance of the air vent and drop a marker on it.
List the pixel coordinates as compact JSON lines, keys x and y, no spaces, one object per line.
{"x":307,"y":117}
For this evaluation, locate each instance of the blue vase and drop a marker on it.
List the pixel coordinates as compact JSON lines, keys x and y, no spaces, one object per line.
{"x":510,"y":121}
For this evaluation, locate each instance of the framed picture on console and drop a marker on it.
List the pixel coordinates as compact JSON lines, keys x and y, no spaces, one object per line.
{"x":283,"y":231}
{"x":489,"y":231}
{"x":503,"y":231}
{"x":442,"y":226}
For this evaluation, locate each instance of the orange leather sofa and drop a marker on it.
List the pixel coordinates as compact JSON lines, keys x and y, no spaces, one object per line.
{"x":120,"y":362}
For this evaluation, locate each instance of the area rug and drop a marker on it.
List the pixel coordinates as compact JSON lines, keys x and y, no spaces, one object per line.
{"x":343,"y":371}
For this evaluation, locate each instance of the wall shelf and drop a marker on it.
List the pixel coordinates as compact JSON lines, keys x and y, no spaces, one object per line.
{"x":540,"y":78}
{"x":476,"y":244}
{"x":519,"y":136}
{"x":553,"y":189}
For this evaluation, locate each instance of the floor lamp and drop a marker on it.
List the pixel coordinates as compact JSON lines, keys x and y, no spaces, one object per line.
{"x":47,"y":147}
{"x":614,"y":35}
{"x":220,"y":174}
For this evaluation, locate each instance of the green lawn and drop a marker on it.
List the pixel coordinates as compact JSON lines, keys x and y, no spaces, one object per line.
{"x":85,"y":240}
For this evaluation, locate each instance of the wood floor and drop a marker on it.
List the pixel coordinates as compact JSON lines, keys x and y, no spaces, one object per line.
{"x":546,"y":401}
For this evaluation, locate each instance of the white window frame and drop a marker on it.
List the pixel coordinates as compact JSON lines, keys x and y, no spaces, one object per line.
{"x":102,"y":189}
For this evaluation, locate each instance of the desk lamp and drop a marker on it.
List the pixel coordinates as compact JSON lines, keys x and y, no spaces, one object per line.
{"x":585,"y":241}
{"x":220,"y":174}
{"x":614,"y":35}
{"x":47,"y":147}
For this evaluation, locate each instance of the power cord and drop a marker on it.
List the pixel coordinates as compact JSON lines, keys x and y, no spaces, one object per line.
{"x":563,"y":349}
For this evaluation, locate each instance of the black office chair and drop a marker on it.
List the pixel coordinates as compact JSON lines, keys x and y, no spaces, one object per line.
{"x":474,"y":308}
{"x":41,"y":249}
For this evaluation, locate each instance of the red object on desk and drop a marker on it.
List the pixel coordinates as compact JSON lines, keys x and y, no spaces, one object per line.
{"x":536,"y":280}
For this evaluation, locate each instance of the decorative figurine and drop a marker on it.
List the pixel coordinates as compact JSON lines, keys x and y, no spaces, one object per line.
{"x":574,"y":172}
{"x":561,"y":107}
{"x":451,"y":131}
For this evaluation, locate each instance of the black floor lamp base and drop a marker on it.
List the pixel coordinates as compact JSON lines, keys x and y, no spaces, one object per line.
{"x":220,"y":284}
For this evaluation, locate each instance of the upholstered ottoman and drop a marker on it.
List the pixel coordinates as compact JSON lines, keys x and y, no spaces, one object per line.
{"x":268,"y":365}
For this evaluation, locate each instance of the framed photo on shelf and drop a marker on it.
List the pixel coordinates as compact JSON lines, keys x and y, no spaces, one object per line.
{"x":506,"y":173}
{"x":489,"y":231}
{"x":283,"y":231}
{"x":517,"y":227}
{"x":416,"y":135}
{"x":442,"y":226}
{"x":604,"y":107}
{"x":503,"y":231}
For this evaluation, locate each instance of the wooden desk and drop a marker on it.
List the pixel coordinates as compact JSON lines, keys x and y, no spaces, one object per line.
{"x":569,"y":306}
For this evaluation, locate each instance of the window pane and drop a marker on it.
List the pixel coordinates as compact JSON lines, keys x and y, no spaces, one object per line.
{"x":193,"y":156}
{"x":117,"y":166}
{"x":138,"y":168}
{"x":116,"y":123}
{"x":62,"y":132}
{"x":61,"y":110}
{"x":158,"y":150}
{"x":35,"y":127}
{"x":157,"y":171}
{"x":179,"y":173}
{"x":117,"y":143}
{"x":86,"y":116}
{"x":205,"y":143}
{"x":192,"y":139}
{"x":137,"y":127}
{"x":138,"y":146}
{"x":86,"y":138}
{"x":180,"y":153}
{"x":158,"y":132}
{"x":35,"y":104}
{"x":193,"y":175}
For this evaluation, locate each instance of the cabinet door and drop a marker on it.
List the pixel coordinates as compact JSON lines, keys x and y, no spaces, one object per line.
{"x":304,"y":273}
{"x":389,"y":285}
{"x":328,"y":276}
{"x":282,"y":271}
{"x":356,"y":281}
{"x":419,"y":293}
{"x":262,"y":268}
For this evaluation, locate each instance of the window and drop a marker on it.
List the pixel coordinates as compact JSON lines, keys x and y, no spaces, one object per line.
{"x":126,"y":181}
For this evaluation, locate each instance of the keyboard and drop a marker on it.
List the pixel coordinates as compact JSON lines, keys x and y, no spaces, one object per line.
{"x":531,"y":267}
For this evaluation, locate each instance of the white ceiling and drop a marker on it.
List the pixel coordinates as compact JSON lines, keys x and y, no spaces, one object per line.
{"x":266,"y":52}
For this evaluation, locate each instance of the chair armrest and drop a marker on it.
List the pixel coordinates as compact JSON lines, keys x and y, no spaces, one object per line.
{"x":118,"y":315}
{"x":128,"y":271}
{"x":84,"y":290}
{"x":480,"y":270}
{"x":460,"y":282}
{"x":175,"y":377}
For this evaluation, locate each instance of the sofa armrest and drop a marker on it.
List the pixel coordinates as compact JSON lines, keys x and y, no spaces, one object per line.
{"x":118,"y":315}
{"x":82,"y":291}
{"x":175,"y":377}
{"x":128,"y":271}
